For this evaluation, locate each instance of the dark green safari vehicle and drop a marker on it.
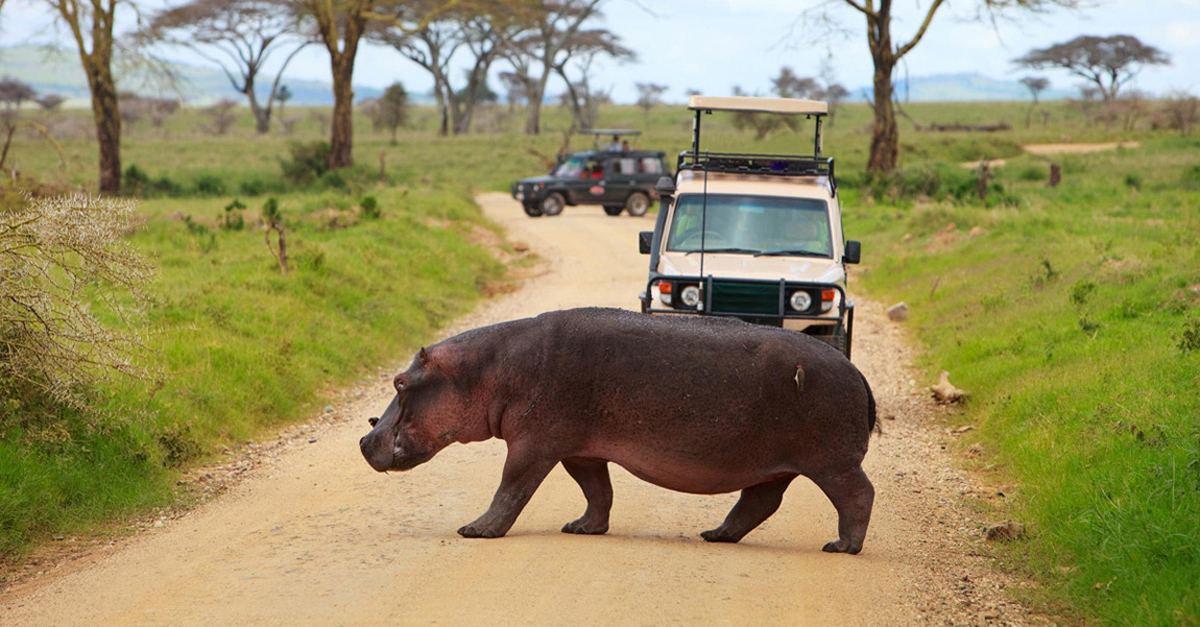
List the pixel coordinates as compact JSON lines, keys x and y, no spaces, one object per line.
{"x":615,"y":177}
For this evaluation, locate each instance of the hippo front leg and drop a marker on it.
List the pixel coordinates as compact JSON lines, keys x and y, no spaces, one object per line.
{"x":523,"y":473}
{"x":852,"y":495}
{"x":592,"y":477}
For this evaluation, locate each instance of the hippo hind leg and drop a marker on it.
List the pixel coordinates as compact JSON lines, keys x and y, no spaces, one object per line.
{"x":592,"y":477}
{"x":756,"y":504}
{"x":852,"y":495}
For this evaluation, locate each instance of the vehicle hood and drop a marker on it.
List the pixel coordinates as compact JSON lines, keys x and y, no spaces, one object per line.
{"x":815,"y":269}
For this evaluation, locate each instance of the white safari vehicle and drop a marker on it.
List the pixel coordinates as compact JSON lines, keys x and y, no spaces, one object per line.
{"x":753,"y":236}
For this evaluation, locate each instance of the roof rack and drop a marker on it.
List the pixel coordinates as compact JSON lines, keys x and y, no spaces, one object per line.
{"x":784,"y":106}
{"x":609,"y":131}
{"x":748,"y":163}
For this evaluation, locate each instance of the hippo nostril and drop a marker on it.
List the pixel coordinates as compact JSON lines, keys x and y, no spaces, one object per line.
{"x":373,"y":421}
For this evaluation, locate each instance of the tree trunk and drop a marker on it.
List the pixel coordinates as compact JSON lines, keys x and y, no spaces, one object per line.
{"x":885,"y":136}
{"x":533,"y":118}
{"x":341,"y":143}
{"x":262,"y":115}
{"x":106,"y":114}
{"x":536,"y":95}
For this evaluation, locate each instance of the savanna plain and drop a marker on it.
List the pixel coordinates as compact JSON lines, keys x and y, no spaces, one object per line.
{"x":1070,"y":313}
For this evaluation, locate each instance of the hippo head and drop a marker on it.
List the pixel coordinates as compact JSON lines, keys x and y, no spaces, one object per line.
{"x":427,"y":414}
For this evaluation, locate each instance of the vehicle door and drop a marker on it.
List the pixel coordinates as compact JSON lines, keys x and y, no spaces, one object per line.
{"x":620,"y":179}
{"x":590,"y":188}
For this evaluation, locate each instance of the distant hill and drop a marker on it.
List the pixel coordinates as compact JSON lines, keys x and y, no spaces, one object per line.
{"x":59,"y":72}
{"x":967,"y":87}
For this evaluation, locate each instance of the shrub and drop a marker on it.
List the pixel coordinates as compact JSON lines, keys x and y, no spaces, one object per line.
{"x":136,"y":182}
{"x":57,"y":250}
{"x":233,"y":220}
{"x":308,"y":162}
{"x":209,"y":185}
{"x":370,"y":208}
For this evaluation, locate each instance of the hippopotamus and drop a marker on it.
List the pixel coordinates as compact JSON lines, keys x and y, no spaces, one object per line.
{"x":704,"y":405}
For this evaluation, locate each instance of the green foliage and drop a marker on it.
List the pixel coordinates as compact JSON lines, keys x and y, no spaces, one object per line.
{"x":1190,"y":340}
{"x":209,"y":185}
{"x":1074,"y":325}
{"x":309,"y":162}
{"x":233,"y":220}
{"x":370,"y":208}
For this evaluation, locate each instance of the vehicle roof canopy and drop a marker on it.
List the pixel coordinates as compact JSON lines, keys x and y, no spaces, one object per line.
{"x":784,"y":106}
{"x":609,"y":131}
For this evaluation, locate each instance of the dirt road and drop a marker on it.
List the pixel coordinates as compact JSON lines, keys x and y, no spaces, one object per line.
{"x":315,"y":537}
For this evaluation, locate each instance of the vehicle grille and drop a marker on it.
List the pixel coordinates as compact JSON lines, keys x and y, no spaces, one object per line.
{"x":745,"y":298}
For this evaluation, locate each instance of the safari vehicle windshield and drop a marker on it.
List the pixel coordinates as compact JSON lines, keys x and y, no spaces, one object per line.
{"x":757,"y":225}
{"x":570,"y":167}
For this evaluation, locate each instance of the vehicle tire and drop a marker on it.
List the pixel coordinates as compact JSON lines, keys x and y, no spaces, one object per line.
{"x":637,"y":204}
{"x":553,"y":204}
{"x":613,"y":211}
{"x":839,"y":341}
{"x":532,"y":209}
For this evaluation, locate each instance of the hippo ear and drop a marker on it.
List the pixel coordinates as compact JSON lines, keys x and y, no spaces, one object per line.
{"x":423,"y":356}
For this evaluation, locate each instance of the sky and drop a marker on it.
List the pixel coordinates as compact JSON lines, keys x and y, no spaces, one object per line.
{"x":713,"y":45}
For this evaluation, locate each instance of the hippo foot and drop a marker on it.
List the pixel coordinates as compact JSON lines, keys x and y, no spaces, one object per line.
{"x":584,"y":527}
{"x":719,"y":535}
{"x":841,"y":546}
{"x":471,"y":531}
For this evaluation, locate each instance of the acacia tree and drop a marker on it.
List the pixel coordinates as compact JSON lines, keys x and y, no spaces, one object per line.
{"x":1035,"y":85}
{"x":239,"y":36}
{"x":579,"y":52}
{"x":887,"y":53}
{"x":649,"y":95}
{"x":340,"y":26}
{"x":548,"y":45}
{"x":91,"y":24}
{"x":1107,"y":62}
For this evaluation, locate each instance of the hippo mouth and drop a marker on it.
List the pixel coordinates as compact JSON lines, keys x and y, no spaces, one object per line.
{"x":406,"y":460}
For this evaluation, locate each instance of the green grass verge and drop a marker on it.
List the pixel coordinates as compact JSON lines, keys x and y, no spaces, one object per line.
{"x":1074,"y":320}
{"x":240,"y":347}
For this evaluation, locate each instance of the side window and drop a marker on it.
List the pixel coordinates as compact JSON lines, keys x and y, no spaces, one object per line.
{"x":651,"y":165}
{"x":625,"y":166}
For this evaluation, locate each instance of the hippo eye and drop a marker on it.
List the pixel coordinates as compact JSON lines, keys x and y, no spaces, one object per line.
{"x":399,"y":382}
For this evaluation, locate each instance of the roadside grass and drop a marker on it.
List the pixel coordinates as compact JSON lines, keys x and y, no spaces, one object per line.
{"x":1067,"y":320}
{"x":240,"y":348}
{"x":1073,"y":317}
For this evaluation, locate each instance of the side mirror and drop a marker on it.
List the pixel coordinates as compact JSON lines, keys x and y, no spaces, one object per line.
{"x":853,"y":252}
{"x":645,"y":238}
{"x":665,"y":186}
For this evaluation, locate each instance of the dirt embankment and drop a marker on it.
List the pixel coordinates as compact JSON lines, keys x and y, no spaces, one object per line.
{"x":312,"y":536}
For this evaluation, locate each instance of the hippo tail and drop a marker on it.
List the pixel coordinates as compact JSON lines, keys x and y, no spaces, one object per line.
{"x":872,"y":425}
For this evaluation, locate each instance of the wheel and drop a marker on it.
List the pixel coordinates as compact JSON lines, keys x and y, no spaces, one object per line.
{"x":637,"y":204}
{"x":840,"y":341}
{"x":553,"y":204}
{"x":613,"y":211}
{"x":533,"y":210}
{"x":712,"y":239}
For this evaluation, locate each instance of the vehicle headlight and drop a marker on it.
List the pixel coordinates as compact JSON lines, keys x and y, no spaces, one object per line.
{"x":800,"y":300}
{"x":690,"y":296}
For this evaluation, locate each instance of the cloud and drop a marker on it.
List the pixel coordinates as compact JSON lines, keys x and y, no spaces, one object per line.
{"x":1184,"y":34}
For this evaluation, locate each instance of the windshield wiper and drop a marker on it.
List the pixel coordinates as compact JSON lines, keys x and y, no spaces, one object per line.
{"x":726,"y":250}
{"x":789,"y":253}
